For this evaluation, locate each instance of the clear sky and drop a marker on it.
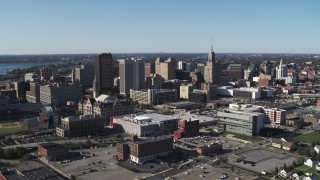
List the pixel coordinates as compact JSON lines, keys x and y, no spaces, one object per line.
{"x":133,"y":26}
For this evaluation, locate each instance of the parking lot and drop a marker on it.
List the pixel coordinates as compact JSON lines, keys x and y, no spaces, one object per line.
{"x":97,"y":167}
{"x":259,"y":160}
{"x":204,"y":172}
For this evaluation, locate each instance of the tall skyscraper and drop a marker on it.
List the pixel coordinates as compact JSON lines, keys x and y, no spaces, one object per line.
{"x":166,"y":69}
{"x":266,"y":67}
{"x":212,"y":72}
{"x":84,"y":74}
{"x":282,"y":70}
{"x":149,"y":69}
{"x":131,"y":75}
{"x":103,"y":70}
{"x":182,"y":65}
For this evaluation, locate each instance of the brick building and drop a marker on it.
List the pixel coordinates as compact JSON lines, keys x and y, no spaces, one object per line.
{"x":53,"y":151}
{"x":145,"y":150}
{"x":187,"y":129}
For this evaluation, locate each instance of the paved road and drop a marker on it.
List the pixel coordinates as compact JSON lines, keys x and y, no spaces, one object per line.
{"x":35,"y":144}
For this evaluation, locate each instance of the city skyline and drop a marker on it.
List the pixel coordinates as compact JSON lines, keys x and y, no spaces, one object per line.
{"x":72,"y":27}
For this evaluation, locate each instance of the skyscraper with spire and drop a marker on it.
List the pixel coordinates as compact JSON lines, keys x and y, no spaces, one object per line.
{"x":282,"y":70}
{"x":212,"y":72}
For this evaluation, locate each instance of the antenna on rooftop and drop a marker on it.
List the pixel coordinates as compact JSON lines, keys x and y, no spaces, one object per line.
{"x":211,"y":44}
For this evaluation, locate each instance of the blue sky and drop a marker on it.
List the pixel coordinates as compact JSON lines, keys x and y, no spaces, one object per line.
{"x":126,"y":26}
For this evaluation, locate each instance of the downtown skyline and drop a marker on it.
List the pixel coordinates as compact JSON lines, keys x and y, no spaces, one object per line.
{"x":72,"y":27}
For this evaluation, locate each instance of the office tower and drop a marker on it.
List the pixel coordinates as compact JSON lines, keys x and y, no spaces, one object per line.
{"x":182,"y":65}
{"x":235,"y":72}
{"x":103,"y":70}
{"x":149,"y":69}
{"x":58,"y":94}
{"x":84,"y":75}
{"x":32,"y":77}
{"x":266,"y":67}
{"x":281,"y":71}
{"x":33,"y":95}
{"x":131,"y":75}
{"x":166,"y":68}
{"x":212,"y":69}
{"x":248,"y":74}
{"x":45,"y":73}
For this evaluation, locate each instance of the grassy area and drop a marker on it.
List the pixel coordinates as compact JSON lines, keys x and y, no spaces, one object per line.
{"x":309,"y":138}
{"x":243,"y":137}
{"x":305,"y":169}
{"x":7,"y":130}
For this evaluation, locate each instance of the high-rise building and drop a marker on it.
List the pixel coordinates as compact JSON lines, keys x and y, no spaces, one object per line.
{"x":266,"y":67}
{"x":84,"y":75}
{"x":182,"y":65}
{"x":149,"y":68}
{"x":33,"y":95}
{"x":281,"y":71}
{"x":235,"y":72}
{"x":103,"y":70}
{"x":166,"y":68}
{"x":212,"y":70}
{"x":131,"y":75}
{"x":45,"y":73}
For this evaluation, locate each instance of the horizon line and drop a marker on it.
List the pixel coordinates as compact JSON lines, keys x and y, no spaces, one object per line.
{"x":39,"y":54}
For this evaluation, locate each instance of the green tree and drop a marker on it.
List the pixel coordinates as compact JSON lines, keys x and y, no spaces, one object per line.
{"x":73,"y":177}
{"x":294,"y":163}
{"x":276,"y":170}
{"x":285,"y":166}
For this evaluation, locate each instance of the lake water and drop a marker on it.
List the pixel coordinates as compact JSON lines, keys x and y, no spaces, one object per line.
{"x":6,"y":67}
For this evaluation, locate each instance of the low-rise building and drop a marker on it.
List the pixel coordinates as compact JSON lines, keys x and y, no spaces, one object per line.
{"x":146,"y":150}
{"x":311,"y":162}
{"x":106,"y":106}
{"x":80,"y":126}
{"x":53,"y":151}
{"x":197,"y":146}
{"x":241,"y":122}
{"x":145,"y":124}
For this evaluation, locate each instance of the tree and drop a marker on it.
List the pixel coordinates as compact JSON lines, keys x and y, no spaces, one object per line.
{"x":294,"y":163}
{"x":276,"y":170}
{"x":313,"y":143}
{"x":318,"y":157}
{"x":299,"y":151}
{"x":285,"y":166}
{"x":73,"y":177}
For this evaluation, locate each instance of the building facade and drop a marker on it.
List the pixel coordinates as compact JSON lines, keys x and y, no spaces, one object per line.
{"x":212,"y":73}
{"x":132,"y":75}
{"x":106,"y":106}
{"x":33,"y":95}
{"x":53,"y":151}
{"x":84,"y":75}
{"x":240,"y":122}
{"x":153,"y":96}
{"x":185,"y":91}
{"x":57,"y":94}
{"x":275,"y":116}
{"x":145,"y":150}
{"x":166,"y":68}
{"x":80,"y":126}
{"x":103,"y":70}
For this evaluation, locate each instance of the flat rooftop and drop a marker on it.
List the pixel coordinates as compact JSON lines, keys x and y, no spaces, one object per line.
{"x":194,"y":117}
{"x":41,"y":173}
